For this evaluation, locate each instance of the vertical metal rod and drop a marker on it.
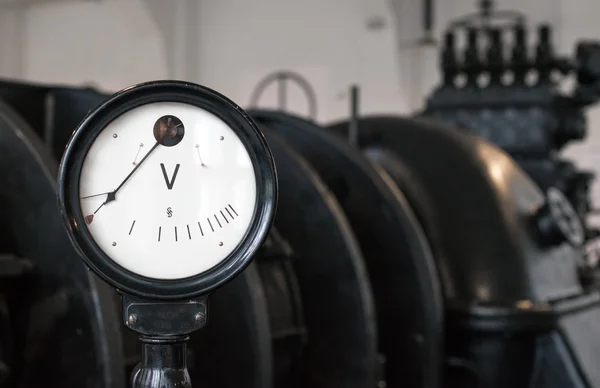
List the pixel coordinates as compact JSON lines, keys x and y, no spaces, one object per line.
{"x":163,"y":363}
{"x":282,"y":91}
{"x":49,"y":127}
{"x":354,"y":105}
{"x":487,"y":8}
{"x":428,"y":17}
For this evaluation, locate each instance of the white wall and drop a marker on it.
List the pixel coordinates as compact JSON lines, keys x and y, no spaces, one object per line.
{"x":231,"y":44}
{"x":327,"y":41}
{"x":108,"y":43}
{"x":227,"y":44}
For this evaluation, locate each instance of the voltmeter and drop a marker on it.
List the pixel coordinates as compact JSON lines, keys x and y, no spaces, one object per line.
{"x":167,"y":190}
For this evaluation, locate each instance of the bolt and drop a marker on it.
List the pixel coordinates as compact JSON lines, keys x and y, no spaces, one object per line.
{"x":114,"y":244}
{"x":132,"y":319}
{"x":115,"y":135}
{"x":221,"y":138}
{"x":199,"y":316}
{"x":220,"y":243}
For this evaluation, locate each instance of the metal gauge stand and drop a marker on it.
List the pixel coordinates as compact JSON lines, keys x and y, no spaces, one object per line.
{"x":164,"y":329}
{"x":167,"y":190}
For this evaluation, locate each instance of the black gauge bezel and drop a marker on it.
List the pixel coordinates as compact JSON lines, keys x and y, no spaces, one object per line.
{"x":167,"y":91}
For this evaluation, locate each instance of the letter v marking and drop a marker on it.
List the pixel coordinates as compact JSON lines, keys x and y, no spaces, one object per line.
{"x":172,"y":181}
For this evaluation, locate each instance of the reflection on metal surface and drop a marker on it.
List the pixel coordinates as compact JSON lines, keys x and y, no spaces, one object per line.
{"x":498,"y":164}
{"x":483,"y":292}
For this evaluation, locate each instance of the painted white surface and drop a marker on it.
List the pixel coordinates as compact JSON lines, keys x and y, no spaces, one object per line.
{"x":111,"y":43}
{"x":179,"y":231}
{"x":227,"y":44}
{"x":327,"y":41}
{"x":231,"y":44}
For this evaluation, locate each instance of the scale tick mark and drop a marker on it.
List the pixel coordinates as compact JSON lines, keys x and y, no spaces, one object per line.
{"x":231,"y":207}
{"x":189,"y":234}
{"x":218,"y":222}
{"x":200,"y":226}
{"x":209,"y":223}
{"x":130,"y":229}
{"x":225,"y":218}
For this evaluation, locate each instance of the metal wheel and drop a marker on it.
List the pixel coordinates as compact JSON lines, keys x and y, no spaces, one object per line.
{"x":396,"y":250}
{"x":63,"y":320}
{"x":334,"y":286}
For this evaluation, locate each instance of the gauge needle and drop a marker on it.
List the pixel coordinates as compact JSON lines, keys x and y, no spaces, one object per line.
{"x":199,"y":157}
{"x":138,"y":153}
{"x":96,"y":195}
{"x":111,"y":196}
{"x":136,"y":167}
{"x":172,"y":131}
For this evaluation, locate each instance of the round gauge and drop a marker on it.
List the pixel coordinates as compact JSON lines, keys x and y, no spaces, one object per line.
{"x":167,"y":189}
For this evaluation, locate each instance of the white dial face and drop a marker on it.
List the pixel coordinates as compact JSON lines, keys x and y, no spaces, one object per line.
{"x":167,"y":190}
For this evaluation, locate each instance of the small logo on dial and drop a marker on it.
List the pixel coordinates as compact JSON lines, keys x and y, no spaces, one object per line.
{"x":169,"y":212}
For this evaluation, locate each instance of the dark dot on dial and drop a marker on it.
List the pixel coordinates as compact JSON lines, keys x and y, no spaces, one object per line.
{"x":169,"y":130}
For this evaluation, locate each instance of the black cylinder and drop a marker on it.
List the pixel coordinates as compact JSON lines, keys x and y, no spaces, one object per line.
{"x":163,"y":364}
{"x":472,"y":60}
{"x":544,"y":33}
{"x":544,"y":54}
{"x":495,"y":56}
{"x":519,"y":51}
{"x":519,"y":58}
{"x":449,"y":60}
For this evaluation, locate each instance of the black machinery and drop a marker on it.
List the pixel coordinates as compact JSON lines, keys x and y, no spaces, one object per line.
{"x":506,"y":254}
{"x":396,"y":274}
{"x":514,"y":100}
{"x":393,"y":272}
{"x":403,"y":252}
{"x":58,"y":320}
{"x":278,"y":326}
